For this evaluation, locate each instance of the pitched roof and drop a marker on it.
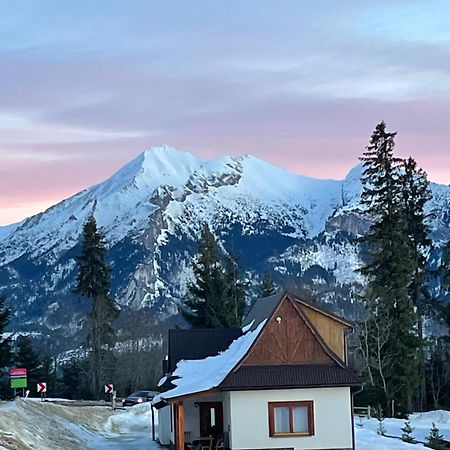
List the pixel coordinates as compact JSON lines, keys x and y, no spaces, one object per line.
{"x":289,"y":376}
{"x":198,"y":343}
{"x":264,"y":307}
{"x":196,"y":376}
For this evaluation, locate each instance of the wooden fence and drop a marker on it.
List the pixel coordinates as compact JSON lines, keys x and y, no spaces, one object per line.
{"x":363,"y":411}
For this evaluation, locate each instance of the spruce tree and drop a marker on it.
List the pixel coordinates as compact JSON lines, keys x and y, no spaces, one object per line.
{"x":236,"y":292}
{"x":74,"y":380}
{"x":205,"y":293}
{"x":444,"y":268}
{"x":407,"y":433}
{"x":389,"y":272}
{"x":268,"y":287}
{"x":5,"y":343}
{"x":435,"y":440}
{"x":93,"y":282}
{"x":216,"y":299}
{"x":27,"y":357}
{"x":438,"y":360}
{"x":416,"y":193}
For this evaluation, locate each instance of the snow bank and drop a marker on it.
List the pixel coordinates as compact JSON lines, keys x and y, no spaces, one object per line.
{"x":135,"y":419}
{"x":439,"y":417}
{"x":204,"y":374}
{"x":29,"y":424}
{"x":368,"y":439}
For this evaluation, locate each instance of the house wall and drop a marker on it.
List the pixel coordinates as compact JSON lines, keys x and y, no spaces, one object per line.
{"x":332,"y":419}
{"x":226,"y":398}
{"x":164,"y":434}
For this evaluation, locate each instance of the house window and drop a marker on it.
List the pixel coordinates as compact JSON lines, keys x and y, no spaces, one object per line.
{"x":291,"y":418}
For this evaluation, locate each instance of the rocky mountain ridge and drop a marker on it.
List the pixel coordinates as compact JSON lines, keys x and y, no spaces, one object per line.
{"x":299,"y":228}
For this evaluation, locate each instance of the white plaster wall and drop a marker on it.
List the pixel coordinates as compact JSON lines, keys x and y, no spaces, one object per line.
{"x":332,"y":419}
{"x":164,"y":425}
{"x":191,"y":419}
{"x":227,"y":416}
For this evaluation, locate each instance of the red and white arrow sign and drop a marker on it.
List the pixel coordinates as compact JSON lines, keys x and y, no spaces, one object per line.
{"x":41,"y":387}
{"x":109,"y":388}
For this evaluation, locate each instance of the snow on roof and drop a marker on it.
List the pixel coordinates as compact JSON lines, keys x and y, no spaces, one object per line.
{"x":247,"y":327}
{"x":205,"y":374}
{"x":161,"y":381}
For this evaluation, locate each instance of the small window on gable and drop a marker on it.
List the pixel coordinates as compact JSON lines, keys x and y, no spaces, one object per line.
{"x":291,"y":418}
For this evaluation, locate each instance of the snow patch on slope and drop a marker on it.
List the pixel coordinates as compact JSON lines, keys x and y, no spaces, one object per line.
{"x":7,"y":230}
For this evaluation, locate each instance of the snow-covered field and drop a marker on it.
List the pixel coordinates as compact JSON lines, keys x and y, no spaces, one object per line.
{"x":368,"y":439}
{"x":27,"y":425}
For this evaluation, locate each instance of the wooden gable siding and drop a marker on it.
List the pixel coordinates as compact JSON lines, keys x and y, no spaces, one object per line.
{"x":289,"y":341}
{"x":331,"y":330}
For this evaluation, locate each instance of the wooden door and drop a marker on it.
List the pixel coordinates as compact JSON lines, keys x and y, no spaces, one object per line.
{"x":211,"y":419}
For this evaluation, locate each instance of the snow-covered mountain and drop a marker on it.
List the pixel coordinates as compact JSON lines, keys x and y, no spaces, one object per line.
{"x":300,"y":228}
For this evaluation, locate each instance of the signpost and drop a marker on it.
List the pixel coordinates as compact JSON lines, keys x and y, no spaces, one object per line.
{"x":42,"y":389}
{"x":109,"y":390}
{"x":18,"y":379}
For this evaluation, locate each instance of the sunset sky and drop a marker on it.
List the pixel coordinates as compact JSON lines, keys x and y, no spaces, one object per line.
{"x":85,"y":86}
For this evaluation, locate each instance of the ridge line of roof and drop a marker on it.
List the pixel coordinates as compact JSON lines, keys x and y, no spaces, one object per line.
{"x":326,"y":313}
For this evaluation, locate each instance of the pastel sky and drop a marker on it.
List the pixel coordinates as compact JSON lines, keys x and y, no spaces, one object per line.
{"x":85,"y":86}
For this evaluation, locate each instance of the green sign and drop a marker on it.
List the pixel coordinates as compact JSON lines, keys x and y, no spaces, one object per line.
{"x":18,"y":383}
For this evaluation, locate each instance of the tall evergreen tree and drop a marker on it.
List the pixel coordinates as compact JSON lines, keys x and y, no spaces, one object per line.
{"x":268,"y":287}
{"x":444,"y":268}
{"x":389,"y":272}
{"x":27,"y":357}
{"x":93,"y":282}
{"x":5,"y":343}
{"x":217,"y":296}
{"x":236,"y":292}
{"x":444,"y":273}
{"x":416,"y":193}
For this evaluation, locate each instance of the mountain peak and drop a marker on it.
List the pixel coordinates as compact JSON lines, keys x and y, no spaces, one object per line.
{"x":164,"y":152}
{"x":167,"y":161}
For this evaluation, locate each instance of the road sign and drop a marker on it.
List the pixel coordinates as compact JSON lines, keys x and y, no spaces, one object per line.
{"x":18,"y":372}
{"x":17,"y":383}
{"x":42,"y":387}
{"x":18,"y":377}
{"x":109,"y":388}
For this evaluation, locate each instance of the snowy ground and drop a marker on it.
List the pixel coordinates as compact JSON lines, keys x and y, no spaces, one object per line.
{"x":26,"y":425}
{"x":31,"y":425}
{"x":368,"y":439}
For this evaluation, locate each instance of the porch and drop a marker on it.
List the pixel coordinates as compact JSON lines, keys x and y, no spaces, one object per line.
{"x":201,"y":422}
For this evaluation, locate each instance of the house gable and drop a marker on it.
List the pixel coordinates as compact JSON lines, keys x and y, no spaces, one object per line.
{"x":331,"y":329}
{"x":288,"y":338}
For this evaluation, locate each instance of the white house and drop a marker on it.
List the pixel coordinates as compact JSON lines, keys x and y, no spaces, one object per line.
{"x":279,"y":383}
